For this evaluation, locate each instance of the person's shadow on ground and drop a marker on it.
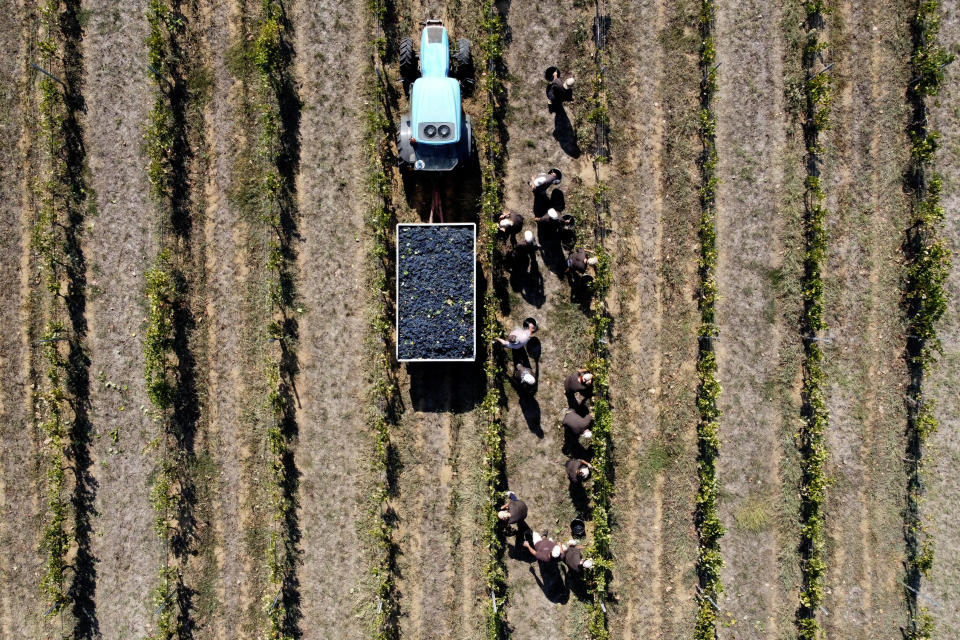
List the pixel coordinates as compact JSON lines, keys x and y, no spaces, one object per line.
{"x":551,"y":250}
{"x":551,"y":582}
{"x":580,"y":499}
{"x":534,"y":349}
{"x":525,"y":277}
{"x":563,"y":131}
{"x":578,"y":404}
{"x":517,"y":551}
{"x":577,"y":586}
{"x":581,"y":290}
{"x":532,"y":287}
{"x":527,"y":395}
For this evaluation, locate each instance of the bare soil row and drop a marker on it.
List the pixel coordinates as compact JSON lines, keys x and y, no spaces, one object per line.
{"x":941,"y":588}
{"x":440,"y":496}
{"x":20,"y":474}
{"x":542,"y":602}
{"x":865,"y":374}
{"x":653,"y":379}
{"x":759,"y":204}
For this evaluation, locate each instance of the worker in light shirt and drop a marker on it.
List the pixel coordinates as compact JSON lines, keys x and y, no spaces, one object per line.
{"x":519,"y":338}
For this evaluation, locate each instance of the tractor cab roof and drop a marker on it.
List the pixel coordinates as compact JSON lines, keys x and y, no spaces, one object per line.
{"x":435,"y":102}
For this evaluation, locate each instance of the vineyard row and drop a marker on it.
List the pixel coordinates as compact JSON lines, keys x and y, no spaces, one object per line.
{"x":706,"y":517}
{"x":927,"y":266}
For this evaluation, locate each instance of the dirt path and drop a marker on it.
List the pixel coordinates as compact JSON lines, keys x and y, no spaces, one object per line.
{"x":235,"y":319}
{"x":654,"y":309}
{"x":538,"y":37}
{"x":758,"y":204}
{"x":638,"y":541}
{"x":333,"y":434}
{"x":864,"y":366}
{"x":20,"y":480}
{"x":942,"y":589}
{"x":119,"y":247}
{"x":439,"y":503}
{"x":441,"y":492}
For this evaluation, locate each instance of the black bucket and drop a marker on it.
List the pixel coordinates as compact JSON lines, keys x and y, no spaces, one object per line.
{"x":530,"y":323}
{"x":578,"y":529}
{"x":548,"y":74}
{"x":557,"y":173}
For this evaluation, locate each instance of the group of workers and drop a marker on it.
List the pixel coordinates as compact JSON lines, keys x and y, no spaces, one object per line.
{"x":524,"y":242}
{"x":578,"y":386}
{"x":576,"y":420}
{"x":541,"y":547}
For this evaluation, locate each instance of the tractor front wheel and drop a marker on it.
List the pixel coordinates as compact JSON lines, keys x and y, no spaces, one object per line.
{"x":408,"y":60}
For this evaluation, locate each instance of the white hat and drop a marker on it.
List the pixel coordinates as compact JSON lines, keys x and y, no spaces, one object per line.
{"x":587,"y":434}
{"x":587,"y":377}
{"x":584,"y":471}
{"x":588,"y":563}
{"x":528,"y":236}
{"x":571,"y":543}
{"x":528,"y":378}
{"x":553,"y":213}
{"x":568,"y":83}
{"x":556,"y":551}
{"x":506,"y":222}
{"x":592,"y":260}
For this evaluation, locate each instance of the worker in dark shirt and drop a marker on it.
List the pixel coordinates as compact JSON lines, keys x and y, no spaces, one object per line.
{"x":581,"y":381}
{"x":544,"y":549}
{"x":510,"y":222}
{"x":578,"y":424}
{"x":578,"y":470}
{"x":526,"y":243}
{"x":550,"y":217}
{"x":578,"y":261}
{"x":524,"y":376}
{"x":559,"y":90}
{"x":573,"y":558}
{"x":513,"y":511}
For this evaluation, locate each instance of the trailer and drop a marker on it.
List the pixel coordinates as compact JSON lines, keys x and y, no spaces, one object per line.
{"x":436,"y":292}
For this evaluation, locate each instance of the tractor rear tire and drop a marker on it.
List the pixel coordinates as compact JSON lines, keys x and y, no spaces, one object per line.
{"x":464,"y":59}
{"x":408,"y":60}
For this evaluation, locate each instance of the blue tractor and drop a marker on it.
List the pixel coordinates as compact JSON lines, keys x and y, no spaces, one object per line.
{"x":436,"y":135}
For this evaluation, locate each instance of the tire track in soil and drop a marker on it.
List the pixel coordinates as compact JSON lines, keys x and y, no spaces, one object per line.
{"x":941,"y":589}
{"x":439,"y":583}
{"x":232,"y":333}
{"x":331,"y":387}
{"x":758,"y":349}
{"x":636,"y":357}
{"x":864,"y":369}
{"x":119,"y":248}
{"x":540,"y":36}
{"x":20,"y":476}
